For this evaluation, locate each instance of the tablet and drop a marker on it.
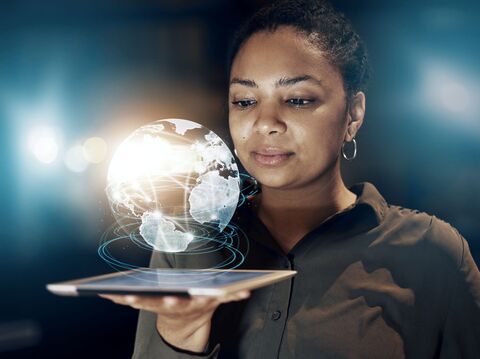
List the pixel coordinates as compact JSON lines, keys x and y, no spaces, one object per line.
{"x":179,"y":282}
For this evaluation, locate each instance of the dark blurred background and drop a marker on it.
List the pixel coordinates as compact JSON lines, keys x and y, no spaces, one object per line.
{"x":76,"y":77}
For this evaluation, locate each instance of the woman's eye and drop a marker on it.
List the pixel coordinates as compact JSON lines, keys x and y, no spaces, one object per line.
{"x":299,"y":102}
{"x":244,"y":103}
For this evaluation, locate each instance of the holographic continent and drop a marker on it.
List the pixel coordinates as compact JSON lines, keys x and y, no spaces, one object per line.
{"x":175,"y":181}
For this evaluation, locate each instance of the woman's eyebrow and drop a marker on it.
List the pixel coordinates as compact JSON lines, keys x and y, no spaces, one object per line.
{"x":283,"y":82}
{"x":244,"y":82}
{"x":289,"y":81}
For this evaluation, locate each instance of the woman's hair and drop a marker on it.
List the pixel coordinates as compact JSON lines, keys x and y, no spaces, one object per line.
{"x":326,"y":28}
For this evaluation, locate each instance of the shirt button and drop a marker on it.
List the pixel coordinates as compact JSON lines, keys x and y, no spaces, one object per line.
{"x":276,"y":315}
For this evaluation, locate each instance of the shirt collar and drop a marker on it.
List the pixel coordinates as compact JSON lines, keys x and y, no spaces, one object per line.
{"x":369,"y":197}
{"x":365,"y":213}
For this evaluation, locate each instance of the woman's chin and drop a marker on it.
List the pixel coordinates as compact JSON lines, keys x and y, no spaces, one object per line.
{"x":274,"y":181}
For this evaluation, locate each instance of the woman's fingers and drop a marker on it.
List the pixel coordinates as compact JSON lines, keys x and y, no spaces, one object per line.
{"x":178,"y":318}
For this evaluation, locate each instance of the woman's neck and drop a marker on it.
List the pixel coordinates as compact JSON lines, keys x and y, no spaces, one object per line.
{"x":290,"y":214}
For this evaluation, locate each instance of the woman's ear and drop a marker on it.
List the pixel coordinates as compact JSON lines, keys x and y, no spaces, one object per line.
{"x":355,"y":115}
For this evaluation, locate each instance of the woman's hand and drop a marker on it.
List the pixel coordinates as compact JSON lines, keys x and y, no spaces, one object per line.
{"x":182,"y":322}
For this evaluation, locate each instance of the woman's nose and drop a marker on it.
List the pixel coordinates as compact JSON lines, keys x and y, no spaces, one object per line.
{"x":269,"y":120}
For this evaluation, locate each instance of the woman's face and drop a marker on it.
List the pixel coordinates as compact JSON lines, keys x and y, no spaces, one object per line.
{"x":288,"y":115}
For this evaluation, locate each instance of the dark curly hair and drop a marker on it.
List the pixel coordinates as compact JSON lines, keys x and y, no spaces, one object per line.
{"x":323,"y":26}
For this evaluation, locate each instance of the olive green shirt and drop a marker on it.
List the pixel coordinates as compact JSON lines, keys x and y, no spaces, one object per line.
{"x":374,"y":281}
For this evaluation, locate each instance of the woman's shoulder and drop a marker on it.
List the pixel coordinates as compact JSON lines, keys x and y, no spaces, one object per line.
{"x":438,"y":238}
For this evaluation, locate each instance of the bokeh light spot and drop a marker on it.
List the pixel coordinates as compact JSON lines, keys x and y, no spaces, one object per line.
{"x":95,"y":149}
{"x":75,"y":160}
{"x":43,"y":143}
{"x":454,"y":97}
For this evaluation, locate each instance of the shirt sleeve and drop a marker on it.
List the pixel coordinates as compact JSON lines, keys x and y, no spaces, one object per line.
{"x":460,"y":337}
{"x":149,"y":344}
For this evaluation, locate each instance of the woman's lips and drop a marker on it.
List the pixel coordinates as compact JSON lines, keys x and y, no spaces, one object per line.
{"x":271,"y":157}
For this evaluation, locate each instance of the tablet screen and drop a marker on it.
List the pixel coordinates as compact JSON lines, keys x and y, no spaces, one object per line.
{"x":178,"y":279}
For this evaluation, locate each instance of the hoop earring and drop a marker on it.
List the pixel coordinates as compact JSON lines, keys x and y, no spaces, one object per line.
{"x":235,"y":151}
{"x":354,"y":150}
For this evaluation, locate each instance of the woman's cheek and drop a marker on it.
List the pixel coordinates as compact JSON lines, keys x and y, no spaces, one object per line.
{"x":239,"y":133}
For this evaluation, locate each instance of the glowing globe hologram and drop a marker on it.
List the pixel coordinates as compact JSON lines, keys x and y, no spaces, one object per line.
{"x":174,"y":182}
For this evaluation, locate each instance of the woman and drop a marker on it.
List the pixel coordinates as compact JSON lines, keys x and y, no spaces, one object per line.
{"x":374,"y":280}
